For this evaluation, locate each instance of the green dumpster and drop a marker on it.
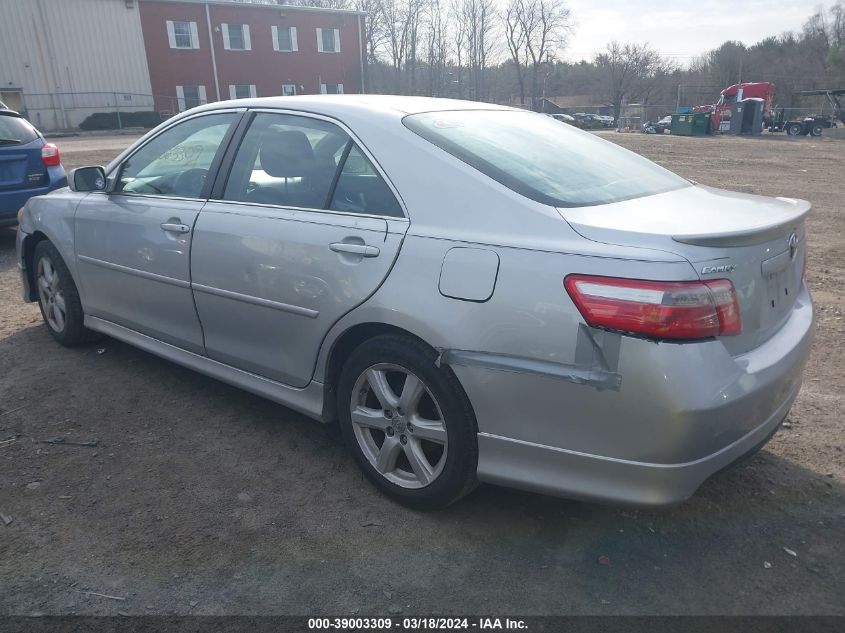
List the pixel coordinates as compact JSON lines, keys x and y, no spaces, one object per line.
{"x":701,"y":123}
{"x":691,"y":124}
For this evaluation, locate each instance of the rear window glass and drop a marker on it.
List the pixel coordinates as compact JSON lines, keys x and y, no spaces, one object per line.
{"x":15,"y":130}
{"x":543,"y":159}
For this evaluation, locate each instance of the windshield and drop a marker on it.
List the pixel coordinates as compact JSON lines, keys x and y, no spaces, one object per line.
{"x":14,"y":130}
{"x":541,"y":159}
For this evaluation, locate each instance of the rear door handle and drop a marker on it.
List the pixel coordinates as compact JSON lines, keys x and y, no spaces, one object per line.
{"x":356,"y":249}
{"x":175,"y":227}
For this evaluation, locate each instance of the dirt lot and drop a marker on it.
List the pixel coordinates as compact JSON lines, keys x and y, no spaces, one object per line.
{"x":203,"y":499}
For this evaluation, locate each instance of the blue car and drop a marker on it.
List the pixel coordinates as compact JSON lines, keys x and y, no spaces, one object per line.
{"x":29,"y":165}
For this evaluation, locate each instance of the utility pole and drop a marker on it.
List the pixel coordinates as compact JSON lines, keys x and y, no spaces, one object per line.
{"x":678,"y":100}
{"x":543,"y":102}
{"x":211,"y":48}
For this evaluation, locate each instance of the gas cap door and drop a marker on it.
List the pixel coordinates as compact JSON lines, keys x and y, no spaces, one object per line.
{"x":469,"y":274}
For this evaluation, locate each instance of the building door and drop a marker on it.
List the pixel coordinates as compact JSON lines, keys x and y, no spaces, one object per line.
{"x":13,"y":99}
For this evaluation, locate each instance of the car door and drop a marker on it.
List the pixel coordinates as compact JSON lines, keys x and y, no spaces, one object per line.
{"x":133,"y":242}
{"x":302,"y":230}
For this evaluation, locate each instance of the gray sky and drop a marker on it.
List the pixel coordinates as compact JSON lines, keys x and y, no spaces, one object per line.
{"x":681,"y":29}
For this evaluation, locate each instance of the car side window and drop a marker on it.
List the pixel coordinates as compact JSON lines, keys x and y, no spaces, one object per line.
{"x":286,"y":160}
{"x":360,"y":189}
{"x":177,"y":161}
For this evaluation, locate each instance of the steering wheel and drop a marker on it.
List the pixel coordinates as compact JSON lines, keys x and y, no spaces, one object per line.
{"x":189,"y":183}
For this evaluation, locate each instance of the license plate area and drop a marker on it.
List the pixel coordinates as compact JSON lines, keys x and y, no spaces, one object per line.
{"x":12,"y":171}
{"x":781,"y":291}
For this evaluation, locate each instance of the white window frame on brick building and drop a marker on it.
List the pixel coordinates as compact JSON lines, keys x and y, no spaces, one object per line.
{"x":180,"y":30}
{"x":336,"y":88}
{"x":279,"y":45}
{"x":242,"y":91}
{"x":227,"y":29}
{"x":289,"y":90}
{"x":182,"y":100}
{"x":334,"y":38}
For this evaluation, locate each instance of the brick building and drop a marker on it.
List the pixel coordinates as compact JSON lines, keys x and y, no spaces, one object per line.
{"x":208,"y":50}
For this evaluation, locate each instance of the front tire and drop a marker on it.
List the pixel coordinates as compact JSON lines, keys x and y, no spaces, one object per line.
{"x":408,"y":422}
{"x":58,"y":297}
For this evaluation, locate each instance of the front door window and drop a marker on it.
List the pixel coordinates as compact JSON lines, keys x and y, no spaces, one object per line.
{"x":177,"y":161}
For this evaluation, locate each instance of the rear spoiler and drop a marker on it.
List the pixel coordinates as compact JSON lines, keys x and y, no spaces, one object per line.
{"x":791,"y":215}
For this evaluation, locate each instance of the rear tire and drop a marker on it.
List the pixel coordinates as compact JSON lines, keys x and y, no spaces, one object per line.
{"x":58,"y":297}
{"x":816,"y":130}
{"x":795,"y":129}
{"x":408,"y":423}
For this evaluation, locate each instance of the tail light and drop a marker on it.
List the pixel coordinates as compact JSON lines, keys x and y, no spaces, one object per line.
{"x":50,"y":155}
{"x":657,"y":309}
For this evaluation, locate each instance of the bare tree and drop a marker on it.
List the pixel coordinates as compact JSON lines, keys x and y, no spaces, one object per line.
{"x":724,"y":65}
{"x":479,"y":21}
{"x":836,"y":55}
{"x":515,"y":39}
{"x":374,"y":33}
{"x":374,"y":28}
{"x":413,"y":13}
{"x":534,"y":31}
{"x":628,"y":71}
{"x":459,"y":39}
{"x":401,"y":23}
{"x":321,"y":4}
{"x":436,"y":48}
{"x":547,"y":22}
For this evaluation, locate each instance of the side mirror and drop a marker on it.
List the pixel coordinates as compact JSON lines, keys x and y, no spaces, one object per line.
{"x":87,"y":179}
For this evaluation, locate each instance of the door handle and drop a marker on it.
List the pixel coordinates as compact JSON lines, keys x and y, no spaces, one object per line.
{"x":175,"y":227}
{"x":356,"y":249}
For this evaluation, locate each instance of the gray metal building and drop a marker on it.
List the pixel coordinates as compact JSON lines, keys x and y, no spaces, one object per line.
{"x":62,"y":60}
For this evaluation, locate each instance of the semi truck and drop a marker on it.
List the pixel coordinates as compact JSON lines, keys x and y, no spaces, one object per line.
{"x":774,"y":118}
{"x":722,"y":109}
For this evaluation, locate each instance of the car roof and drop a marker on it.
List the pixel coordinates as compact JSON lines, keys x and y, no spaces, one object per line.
{"x":367,"y":114}
{"x":338,"y":105}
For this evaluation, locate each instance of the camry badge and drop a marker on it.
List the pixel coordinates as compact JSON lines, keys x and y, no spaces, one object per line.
{"x":725,"y":268}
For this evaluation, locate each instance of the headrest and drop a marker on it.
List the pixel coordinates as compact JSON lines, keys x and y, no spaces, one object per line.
{"x":286,"y":154}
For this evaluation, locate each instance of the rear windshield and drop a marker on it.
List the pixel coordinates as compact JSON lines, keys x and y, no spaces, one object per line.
{"x":15,"y":130}
{"x":543,"y":159}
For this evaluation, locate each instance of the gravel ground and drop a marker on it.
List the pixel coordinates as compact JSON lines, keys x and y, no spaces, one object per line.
{"x":202,"y":499}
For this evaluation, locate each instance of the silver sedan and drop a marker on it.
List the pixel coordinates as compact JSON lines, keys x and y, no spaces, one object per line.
{"x":474,"y":293}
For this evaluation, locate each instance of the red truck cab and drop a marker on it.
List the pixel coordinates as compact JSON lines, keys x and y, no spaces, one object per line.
{"x":721,"y":110}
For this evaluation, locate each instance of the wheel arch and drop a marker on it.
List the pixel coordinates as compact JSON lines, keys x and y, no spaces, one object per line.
{"x":28,"y":256}
{"x":343,"y":345}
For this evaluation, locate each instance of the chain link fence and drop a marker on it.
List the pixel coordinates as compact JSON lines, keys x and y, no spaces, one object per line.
{"x":63,"y":111}
{"x":634,"y":117}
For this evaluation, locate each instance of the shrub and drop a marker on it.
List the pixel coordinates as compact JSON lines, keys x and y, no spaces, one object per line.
{"x":109,"y":120}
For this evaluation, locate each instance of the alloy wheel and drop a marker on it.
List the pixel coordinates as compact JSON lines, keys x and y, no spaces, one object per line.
{"x":51,"y":295}
{"x":399,"y":425}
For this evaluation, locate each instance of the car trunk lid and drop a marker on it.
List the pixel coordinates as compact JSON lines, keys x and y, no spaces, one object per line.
{"x":21,"y":166}
{"x":756,"y":242}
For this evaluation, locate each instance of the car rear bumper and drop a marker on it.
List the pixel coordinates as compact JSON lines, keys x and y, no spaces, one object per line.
{"x":576,"y":475}
{"x":680,"y":414}
{"x":11,"y":201}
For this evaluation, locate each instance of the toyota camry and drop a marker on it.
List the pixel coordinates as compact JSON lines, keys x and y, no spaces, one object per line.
{"x":474,"y":293}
